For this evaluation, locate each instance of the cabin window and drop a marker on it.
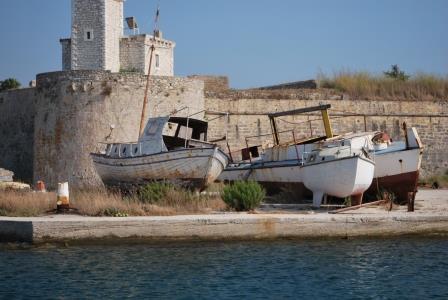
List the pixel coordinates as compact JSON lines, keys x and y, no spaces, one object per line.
{"x":157,"y":61}
{"x":170,"y":129}
{"x":135,"y":150}
{"x":124,"y":150}
{"x":116,"y":149}
{"x":185,"y":132}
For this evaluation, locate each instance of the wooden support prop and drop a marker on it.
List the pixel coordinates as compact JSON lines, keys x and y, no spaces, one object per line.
{"x":411,"y":201}
{"x":355,"y":207}
{"x":356,"y":199}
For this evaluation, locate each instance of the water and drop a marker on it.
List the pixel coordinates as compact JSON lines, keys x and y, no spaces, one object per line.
{"x":336,"y":269}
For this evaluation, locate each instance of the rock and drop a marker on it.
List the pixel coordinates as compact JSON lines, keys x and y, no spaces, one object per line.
{"x":16,"y":186}
{"x":5,"y":175}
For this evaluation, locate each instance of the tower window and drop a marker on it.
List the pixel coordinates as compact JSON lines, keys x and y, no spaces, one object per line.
{"x":88,"y":35}
{"x":157,"y":61}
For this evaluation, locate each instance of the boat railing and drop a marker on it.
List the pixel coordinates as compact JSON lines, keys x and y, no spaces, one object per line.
{"x":252,"y":152}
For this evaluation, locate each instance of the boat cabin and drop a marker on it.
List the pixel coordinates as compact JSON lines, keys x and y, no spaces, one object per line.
{"x":163,"y":134}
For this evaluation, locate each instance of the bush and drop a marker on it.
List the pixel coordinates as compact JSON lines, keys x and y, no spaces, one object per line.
{"x":243,"y":195}
{"x":9,"y":84}
{"x":154,"y":192}
{"x":115,"y":212}
{"x":396,"y":73}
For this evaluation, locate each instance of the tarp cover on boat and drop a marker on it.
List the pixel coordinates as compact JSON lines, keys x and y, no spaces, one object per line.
{"x":152,"y":138}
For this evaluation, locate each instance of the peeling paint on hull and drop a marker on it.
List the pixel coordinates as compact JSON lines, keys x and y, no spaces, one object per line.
{"x":400,"y":185}
{"x":199,"y":167}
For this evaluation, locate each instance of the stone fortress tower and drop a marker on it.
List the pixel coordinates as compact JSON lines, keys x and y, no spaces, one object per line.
{"x":98,"y":43}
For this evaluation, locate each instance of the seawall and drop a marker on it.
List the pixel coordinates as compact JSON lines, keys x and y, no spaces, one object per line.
{"x":218,"y":227}
{"x":430,"y":218}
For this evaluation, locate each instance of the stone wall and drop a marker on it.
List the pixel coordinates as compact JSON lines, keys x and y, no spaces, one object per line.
{"x":48,"y":132}
{"x":213,"y":83}
{"x":248,"y":117}
{"x":104,"y":20}
{"x":17,"y":111}
{"x":76,"y":110}
{"x":114,"y":32}
{"x":135,"y":55}
{"x":164,"y":50}
{"x":66,"y":45}
{"x":132,"y":54}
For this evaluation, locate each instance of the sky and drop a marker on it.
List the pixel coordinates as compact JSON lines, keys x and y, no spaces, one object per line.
{"x":253,"y":42}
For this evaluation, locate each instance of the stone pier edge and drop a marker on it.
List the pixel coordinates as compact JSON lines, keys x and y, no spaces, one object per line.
{"x":217,"y":227}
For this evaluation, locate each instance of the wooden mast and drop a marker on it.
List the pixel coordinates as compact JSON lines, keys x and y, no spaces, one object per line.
{"x":145,"y":99}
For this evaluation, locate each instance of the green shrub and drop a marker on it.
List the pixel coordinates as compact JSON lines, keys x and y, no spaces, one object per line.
{"x":154,"y":192}
{"x":243,"y":195}
{"x":115,"y":212}
{"x":9,"y":84}
{"x":396,"y":73}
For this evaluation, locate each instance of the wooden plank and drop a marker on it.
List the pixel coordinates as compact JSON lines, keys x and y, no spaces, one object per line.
{"x":355,"y":207}
{"x":300,"y":111}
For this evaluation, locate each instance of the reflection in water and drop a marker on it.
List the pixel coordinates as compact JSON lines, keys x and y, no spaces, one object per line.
{"x":400,"y":268}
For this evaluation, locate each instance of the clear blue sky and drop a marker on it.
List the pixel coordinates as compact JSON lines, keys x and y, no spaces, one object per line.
{"x":254,"y":42}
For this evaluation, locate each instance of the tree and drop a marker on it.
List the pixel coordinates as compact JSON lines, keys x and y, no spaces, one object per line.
{"x":396,"y":73}
{"x":9,"y":84}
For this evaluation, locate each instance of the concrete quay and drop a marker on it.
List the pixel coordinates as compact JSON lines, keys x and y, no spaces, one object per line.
{"x":431,"y":218}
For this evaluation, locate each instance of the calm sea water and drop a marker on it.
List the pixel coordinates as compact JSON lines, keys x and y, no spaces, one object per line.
{"x":336,"y":269}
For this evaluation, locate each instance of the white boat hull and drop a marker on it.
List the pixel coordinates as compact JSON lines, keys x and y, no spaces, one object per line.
{"x":396,"y":171}
{"x":340,"y":178}
{"x":196,"y":166}
{"x":282,"y":171}
{"x":400,"y":162}
{"x":350,"y":176}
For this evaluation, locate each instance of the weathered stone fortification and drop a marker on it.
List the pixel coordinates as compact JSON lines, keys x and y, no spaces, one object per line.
{"x":248,"y":117}
{"x":66,"y":45}
{"x":50,"y":131}
{"x":17,"y":111}
{"x":97,"y":42}
{"x":135,"y":50}
{"x":76,"y":110}
{"x":213,"y":83}
{"x":97,"y":26}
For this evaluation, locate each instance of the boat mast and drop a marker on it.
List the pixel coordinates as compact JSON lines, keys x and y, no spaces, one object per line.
{"x":145,"y":99}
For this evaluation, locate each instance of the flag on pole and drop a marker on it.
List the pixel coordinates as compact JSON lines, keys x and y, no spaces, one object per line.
{"x":157,"y":15}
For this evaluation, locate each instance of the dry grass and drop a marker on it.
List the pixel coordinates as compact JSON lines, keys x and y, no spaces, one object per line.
{"x":25,"y":204}
{"x":435,"y":181}
{"x":176,"y":202}
{"x":103,"y":203}
{"x":364,"y":85}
